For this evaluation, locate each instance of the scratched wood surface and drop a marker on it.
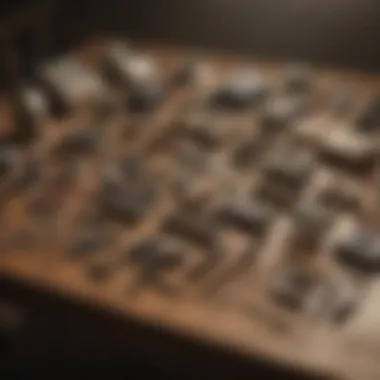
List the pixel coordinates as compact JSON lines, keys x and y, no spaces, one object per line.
{"x":219,"y":292}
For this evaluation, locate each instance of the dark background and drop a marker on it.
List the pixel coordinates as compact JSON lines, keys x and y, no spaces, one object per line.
{"x":59,"y":339}
{"x":336,"y":32}
{"x":344,"y":32}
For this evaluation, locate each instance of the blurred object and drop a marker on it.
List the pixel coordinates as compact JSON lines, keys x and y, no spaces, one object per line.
{"x":11,"y":317}
{"x":191,"y":209}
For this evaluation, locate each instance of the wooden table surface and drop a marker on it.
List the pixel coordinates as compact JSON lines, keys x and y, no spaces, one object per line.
{"x":236,"y":315}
